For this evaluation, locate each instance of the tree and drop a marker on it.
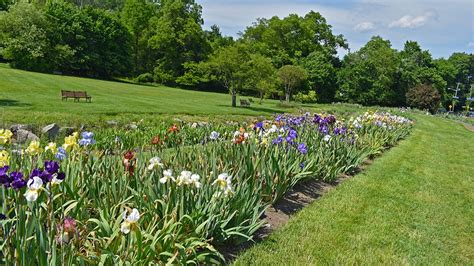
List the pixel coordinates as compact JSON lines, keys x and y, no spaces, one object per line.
{"x":288,"y":40}
{"x":23,"y":37}
{"x":261,"y":75}
{"x":229,"y":66}
{"x":178,"y":38}
{"x":136,"y":15}
{"x":424,"y":97}
{"x":291,"y":78}
{"x":368,"y":76}
{"x":416,"y":68}
{"x":322,"y":74}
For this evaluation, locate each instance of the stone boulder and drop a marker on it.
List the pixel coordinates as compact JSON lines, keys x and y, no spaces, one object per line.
{"x":16,"y":127}
{"x":66,"y":131}
{"x":22,"y":136}
{"x":51,"y":131}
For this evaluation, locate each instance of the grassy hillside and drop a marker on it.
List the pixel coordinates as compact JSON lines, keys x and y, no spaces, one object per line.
{"x":414,"y":206}
{"x":31,"y":92}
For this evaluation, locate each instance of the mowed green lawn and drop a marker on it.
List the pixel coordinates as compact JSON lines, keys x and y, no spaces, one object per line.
{"x":37,"y":92}
{"x":414,"y":205}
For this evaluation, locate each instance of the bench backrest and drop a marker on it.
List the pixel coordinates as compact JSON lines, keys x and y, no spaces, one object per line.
{"x":67,"y":93}
{"x":80,"y":94}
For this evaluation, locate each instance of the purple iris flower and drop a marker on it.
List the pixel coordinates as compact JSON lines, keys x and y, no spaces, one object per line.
{"x":87,"y":139}
{"x":278,"y":118}
{"x":330,"y":119}
{"x":61,"y":176}
{"x":36,"y":172}
{"x":317,"y":119}
{"x":278,"y":140}
{"x":323,"y":129}
{"x":61,"y":154}
{"x":292,"y":134}
{"x":289,"y":139}
{"x":302,"y":165}
{"x":302,"y":148}
{"x":4,"y":179}
{"x":259,"y":125}
{"x":17,"y":180}
{"x":51,"y":167}
{"x":337,"y":131}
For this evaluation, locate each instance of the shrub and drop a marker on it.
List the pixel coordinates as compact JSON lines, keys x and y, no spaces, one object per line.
{"x":311,"y":97}
{"x":144,"y":78}
{"x":424,"y":97}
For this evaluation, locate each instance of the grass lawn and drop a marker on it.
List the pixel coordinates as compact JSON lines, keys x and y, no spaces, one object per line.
{"x":29,"y":97}
{"x":414,"y":205}
{"x":33,"y":94}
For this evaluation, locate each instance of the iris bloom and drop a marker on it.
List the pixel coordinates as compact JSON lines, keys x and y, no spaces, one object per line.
{"x":87,"y":139}
{"x":129,"y":221}
{"x":61,"y":154}
{"x":224,"y":181}
{"x":17,"y":180}
{"x":167,"y":175}
{"x":214,"y":135}
{"x":34,"y":148}
{"x":188,"y":178}
{"x":57,"y":178}
{"x":5,"y":136}
{"x":51,"y":147}
{"x":70,"y":142}
{"x":302,"y":148}
{"x":155,"y":163}
{"x":34,"y":187}
{"x":4,"y":158}
{"x":327,"y":138}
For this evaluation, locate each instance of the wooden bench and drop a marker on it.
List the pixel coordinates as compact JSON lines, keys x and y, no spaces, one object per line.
{"x":76,"y":95}
{"x":244,"y":103}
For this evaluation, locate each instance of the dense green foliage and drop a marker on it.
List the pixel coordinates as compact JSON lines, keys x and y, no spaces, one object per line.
{"x":423,"y":97}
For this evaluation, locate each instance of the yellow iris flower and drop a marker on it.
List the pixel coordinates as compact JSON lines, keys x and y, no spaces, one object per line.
{"x":4,"y":158}
{"x":5,"y":136}
{"x":51,"y":147}
{"x":34,"y":148}
{"x":70,"y":143}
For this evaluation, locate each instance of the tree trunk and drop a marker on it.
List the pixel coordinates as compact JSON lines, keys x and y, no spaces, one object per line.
{"x":287,"y":94}
{"x":261,"y":96}
{"x":234,"y":98}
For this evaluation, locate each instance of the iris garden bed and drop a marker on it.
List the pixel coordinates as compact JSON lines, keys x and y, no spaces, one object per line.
{"x":171,"y":193}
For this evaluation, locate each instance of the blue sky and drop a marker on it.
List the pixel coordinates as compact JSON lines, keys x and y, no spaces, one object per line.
{"x":440,"y":26}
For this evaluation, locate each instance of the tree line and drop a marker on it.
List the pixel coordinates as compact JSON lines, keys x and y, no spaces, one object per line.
{"x":163,"y":41}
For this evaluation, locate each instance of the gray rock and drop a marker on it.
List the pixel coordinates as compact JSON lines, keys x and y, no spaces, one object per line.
{"x":51,"y":130}
{"x":131,"y":126}
{"x":16,"y":127}
{"x":66,"y":131}
{"x":21,"y":136}
{"x":111,"y":123}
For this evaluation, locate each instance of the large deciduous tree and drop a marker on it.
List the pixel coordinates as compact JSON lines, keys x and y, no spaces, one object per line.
{"x":368,"y":76}
{"x":178,"y":38}
{"x":291,"y":78}
{"x":23,"y":37}
{"x":288,"y":40}
{"x":229,"y":66}
{"x":136,"y":15}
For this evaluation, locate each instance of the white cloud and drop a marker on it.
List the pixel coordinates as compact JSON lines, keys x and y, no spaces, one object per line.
{"x":364,"y":26}
{"x":409,"y":21}
{"x":471,"y":44}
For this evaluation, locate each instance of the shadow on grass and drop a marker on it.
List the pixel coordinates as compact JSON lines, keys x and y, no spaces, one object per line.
{"x":256,"y":109}
{"x":12,"y":103}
